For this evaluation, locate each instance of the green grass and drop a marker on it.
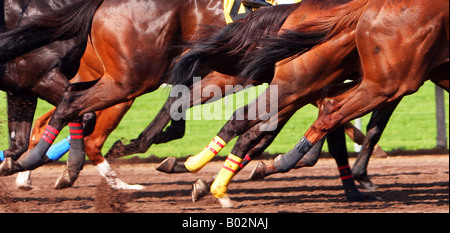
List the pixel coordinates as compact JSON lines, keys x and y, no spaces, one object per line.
{"x":413,"y":125}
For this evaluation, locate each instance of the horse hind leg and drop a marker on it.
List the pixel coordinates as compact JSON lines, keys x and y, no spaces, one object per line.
{"x":375,"y":128}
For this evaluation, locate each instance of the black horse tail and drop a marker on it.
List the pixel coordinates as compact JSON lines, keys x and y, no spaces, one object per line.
{"x":66,"y":23}
{"x":232,"y":41}
{"x":293,"y":43}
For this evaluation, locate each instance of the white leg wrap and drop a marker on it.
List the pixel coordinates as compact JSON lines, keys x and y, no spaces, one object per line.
{"x":23,"y":180}
{"x":111,"y":177}
{"x":226,"y":202}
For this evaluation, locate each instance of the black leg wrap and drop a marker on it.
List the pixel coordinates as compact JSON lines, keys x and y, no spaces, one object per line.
{"x":286,"y":162}
{"x":35,"y":157}
{"x":77,"y":157}
{"x":310,"y":159}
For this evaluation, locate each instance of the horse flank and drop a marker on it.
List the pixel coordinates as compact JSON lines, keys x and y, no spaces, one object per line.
{"x":293,"y":43}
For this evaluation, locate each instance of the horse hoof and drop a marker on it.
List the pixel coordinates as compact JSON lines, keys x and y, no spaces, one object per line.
{"x":9,"y":167}
{"x":378,"y":152}
{"x":170,"y":165}
{"x":64,"y":181}
{"x":167,"y":165}
{"x":120,"y":185}
{"x":225,"y":202}
{"x":23,"y":181}
{"x":199,"y":190}
{"x":258,"y":172}
{"x":365,"y":182}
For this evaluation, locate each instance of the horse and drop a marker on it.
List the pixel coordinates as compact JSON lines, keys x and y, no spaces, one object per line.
{"x":45,"y":71}
{"x":387,"y":35}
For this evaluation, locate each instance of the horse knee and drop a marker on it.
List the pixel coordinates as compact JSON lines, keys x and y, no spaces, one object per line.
{"x":89,"y":120}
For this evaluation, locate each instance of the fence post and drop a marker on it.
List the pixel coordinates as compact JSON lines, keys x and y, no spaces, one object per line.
{"x":441,"y":139}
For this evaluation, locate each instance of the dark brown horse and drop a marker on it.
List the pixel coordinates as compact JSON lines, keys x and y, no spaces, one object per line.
{"x":45,"y":71}
{"x":401,"y":44}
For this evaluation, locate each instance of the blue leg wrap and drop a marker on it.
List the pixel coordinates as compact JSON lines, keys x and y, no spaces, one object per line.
{"x":59,"y":149}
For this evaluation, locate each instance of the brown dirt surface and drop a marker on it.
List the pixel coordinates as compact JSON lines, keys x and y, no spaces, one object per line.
{"x":407,"y":184}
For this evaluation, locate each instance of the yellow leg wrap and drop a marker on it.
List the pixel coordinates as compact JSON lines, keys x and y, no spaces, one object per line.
{"x":197,"y":162}
{"x":220,"y":186}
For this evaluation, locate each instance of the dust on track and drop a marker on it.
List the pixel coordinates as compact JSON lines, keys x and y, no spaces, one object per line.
{"x":407,"y":184}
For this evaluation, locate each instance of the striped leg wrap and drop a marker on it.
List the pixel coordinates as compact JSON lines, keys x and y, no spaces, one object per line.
{"x":50,"y":134}
{"x":36,"y":157}
{"x":244,"y":162}
{"x":220,"y":186}
{"x":345,"y":172}
{"x":76,"y":131}
{"x":76,"y":158}
{"x":198,"y":161}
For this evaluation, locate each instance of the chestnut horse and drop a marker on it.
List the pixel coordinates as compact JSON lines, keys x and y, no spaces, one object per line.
{"x":401,"y":44}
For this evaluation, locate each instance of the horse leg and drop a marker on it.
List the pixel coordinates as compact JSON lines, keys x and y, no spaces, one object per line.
{"x":39,"y":127}
{"x":76,"y":159}
{"x":107,"y":121}
{"x":358,"y":137}
{"x":375,"y":128}
{"x":145,"y":139}
{"x":21,"y":108}
{"x":338,"y":149}
{"x":249,"y":145}
{"x":210,"y":84}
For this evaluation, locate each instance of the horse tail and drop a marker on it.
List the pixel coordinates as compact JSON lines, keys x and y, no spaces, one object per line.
{"x":232,"y":41}
{"x":306,"y":35}
{"x":71,"y":21}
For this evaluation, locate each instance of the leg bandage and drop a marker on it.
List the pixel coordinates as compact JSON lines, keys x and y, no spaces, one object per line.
{"x":286,"y":162}
{"x":345,"y":172}
{"x":198,"y":161}
{"x":220,"y":186}
{"x":59,"y":149}
{"x":35,"y":157}
{"x":76,"y":159}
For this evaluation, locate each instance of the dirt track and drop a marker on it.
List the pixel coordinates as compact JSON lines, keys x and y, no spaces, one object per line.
{"x":406,"y":184}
